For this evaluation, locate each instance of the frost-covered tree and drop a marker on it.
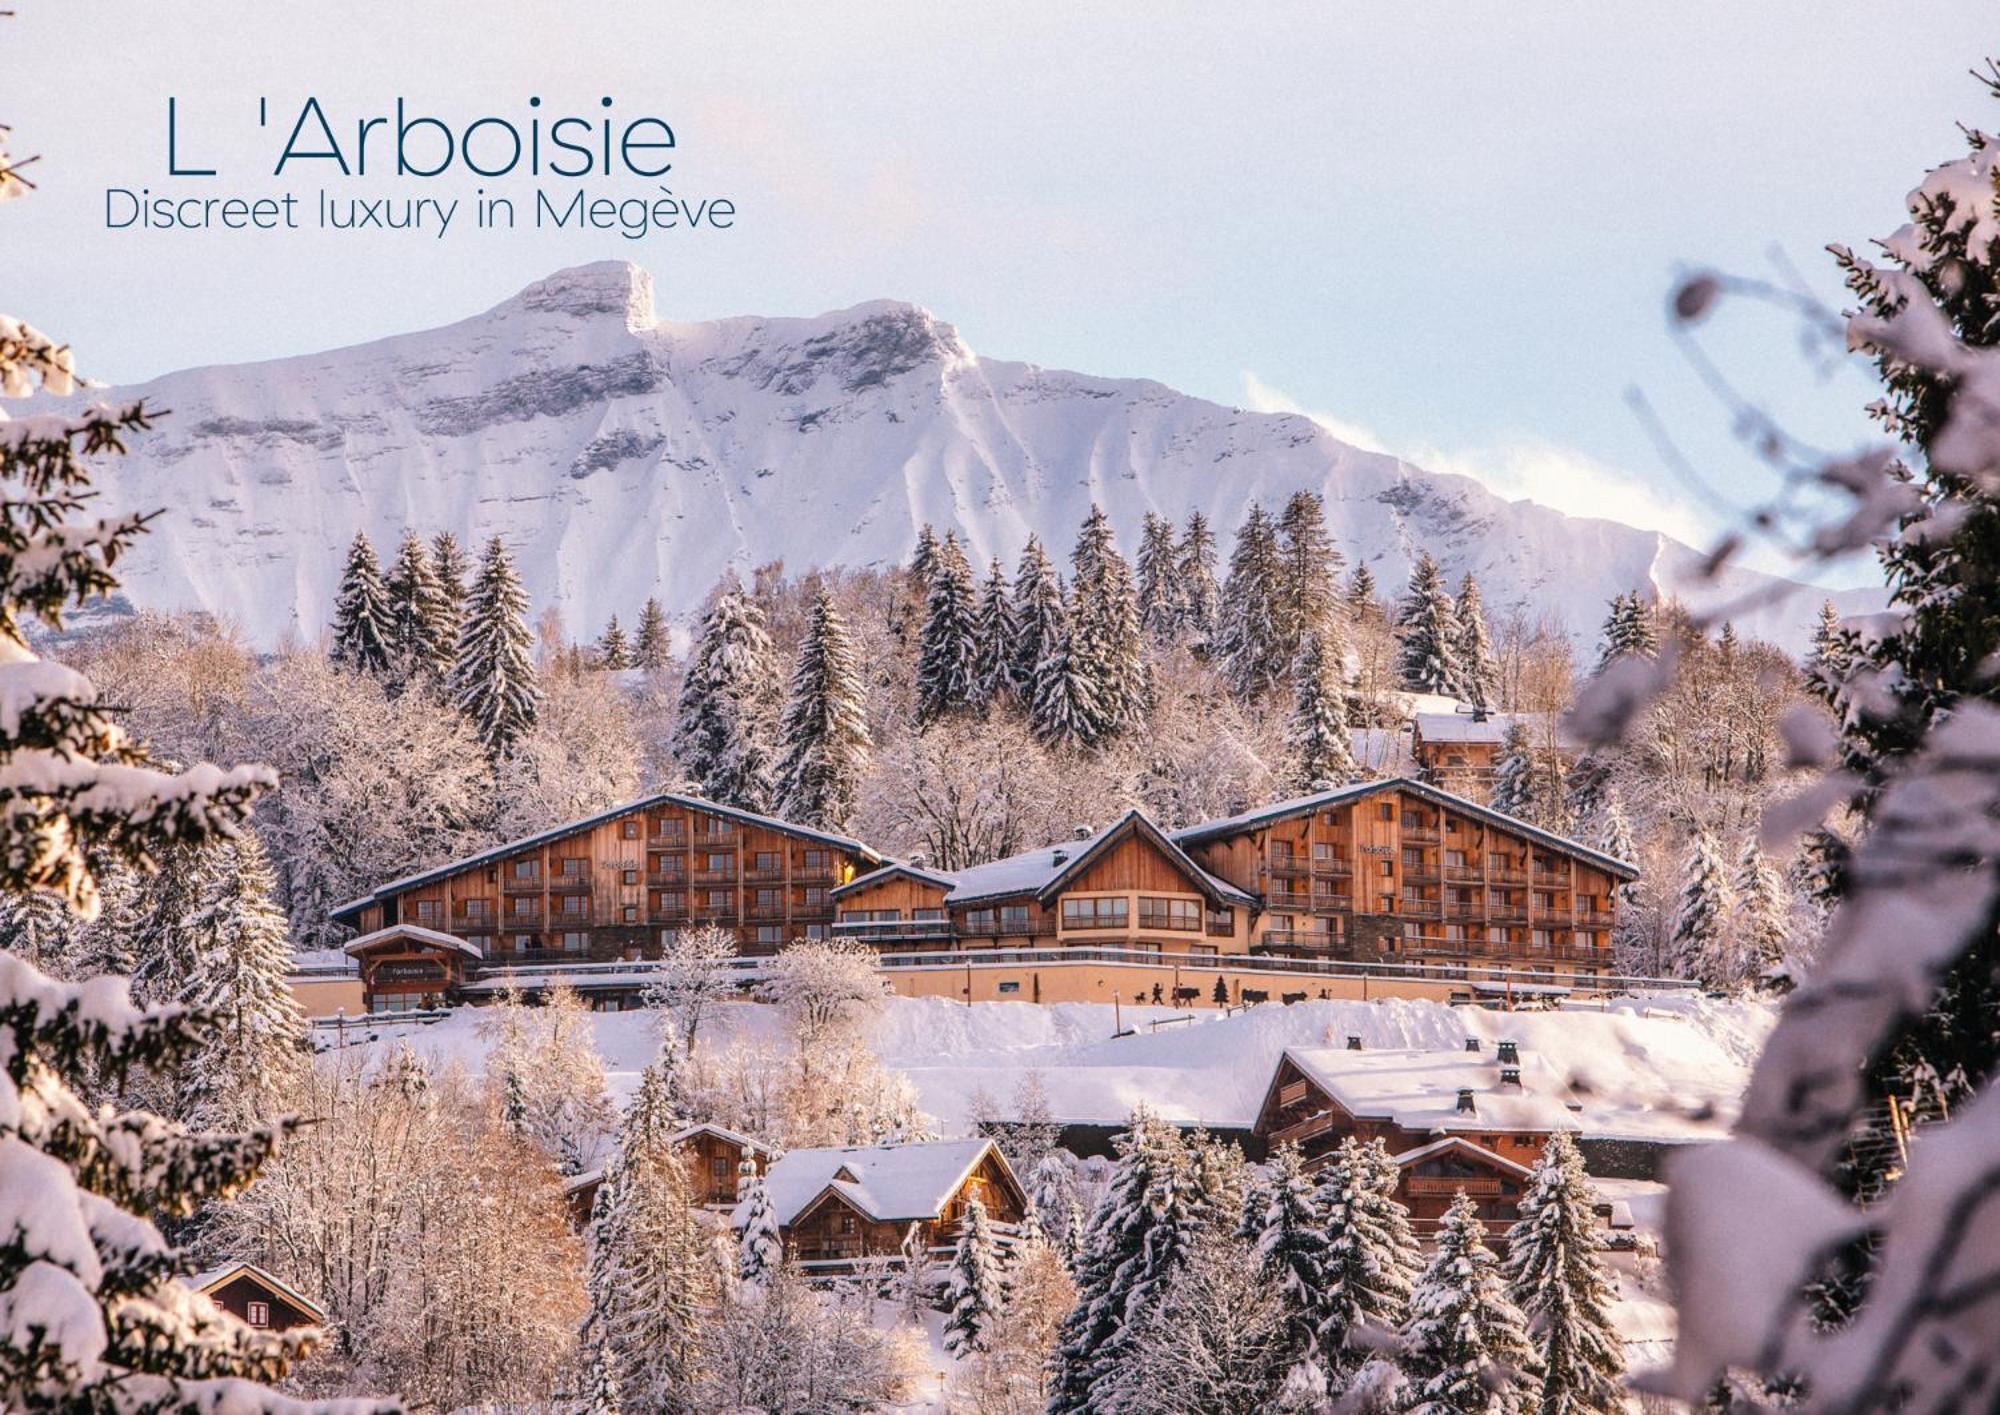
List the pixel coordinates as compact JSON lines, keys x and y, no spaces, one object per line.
{"x":1427,"y":629}
{"x":948,"y":644}
{"x":1055,"y":1196}
{"x":1322,"y":748}
{"x":1289,"y":1237}
{"x":1556,"y":1275}
{"x":1251,"y":631}
{"x":826,"y":988}
{"x":1478,"y":668}
{"x":923,"y":557}
{"x":1700,"y":945}
{"x":613,"y":650}
{"x":1363,"y":602}
{"x":454,"y":574}
{"x":1629,"y":630}
{"x":1106,"y":645}
{"x":667,"y":1279}
{"x":1762,"y":922}
{"x":1466,"y":1349}
{"x":650,"y":642}
{"x":999,"y":636}
{"x":1041,"y":613}
{"x":493,"y":675}
{"x":1064,"y":711}
{"x":423,"y":621}
{"x":721,"y":739}
{"x":1199,"y":587}
{"x":1215,"y":1340}
{"x":364,"y":628}
{"x":974,"y":1286}
{"x":759,"y":1248}
{"x":825,"y":730}
{"x":1371,"y":1256}
{"x":1308,"y":573}
{"x":787,"y":1346}
{"x":543,"y":1064}
{"x":1163,"y":608}
{"x":1514,"y":773}
{"x":694,"y":975}
{"x":37,"y":926}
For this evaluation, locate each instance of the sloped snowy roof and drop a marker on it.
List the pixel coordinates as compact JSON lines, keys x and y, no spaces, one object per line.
{"x":1418,"y":1089}
{"x":207,"y":1282}
{"x":887,"y":1183}
{"x":1459,"y":1143}
{"x":342,"y":912}
{"x":1040,"y":870}
{"x":892,"y":870}
{"x":1339,"y":795}
{"x":416,"y":933}
{"x":1492,"y":728}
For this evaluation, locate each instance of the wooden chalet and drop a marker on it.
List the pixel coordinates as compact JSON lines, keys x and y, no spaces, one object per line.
{"x":838,"y":1208}
{"x":256,"y":1298}
{"x":604,"y":889}
{"x":1460,"y":751}
{"x":1399,"y":871}
{"x":715,"y":1157}
{"x":1128,"y":886}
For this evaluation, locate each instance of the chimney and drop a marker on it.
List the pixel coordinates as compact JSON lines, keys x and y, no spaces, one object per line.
{"x":1353,"y":1043}
{"x":1465,"y":1103}
{"x":1472,"y":1044}
{"x":1511,"y":1076}
{"x":1479,"y":712}
{"x":1082,"y":832}
{"x":1510,"y":1053}
{"x":918,"y":861}
{"x":1061,"y":857}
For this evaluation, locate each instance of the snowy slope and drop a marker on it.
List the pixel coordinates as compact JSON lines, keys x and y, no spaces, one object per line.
{"x":624,"y":456}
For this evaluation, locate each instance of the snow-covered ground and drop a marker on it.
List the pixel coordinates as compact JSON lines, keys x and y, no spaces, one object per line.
{"x":1659,"y":1066}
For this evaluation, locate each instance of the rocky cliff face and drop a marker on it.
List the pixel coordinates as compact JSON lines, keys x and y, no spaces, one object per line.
{"x":624,"y":457}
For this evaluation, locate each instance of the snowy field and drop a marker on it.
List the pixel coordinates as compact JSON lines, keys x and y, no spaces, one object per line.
{"x":1650,"y":1067}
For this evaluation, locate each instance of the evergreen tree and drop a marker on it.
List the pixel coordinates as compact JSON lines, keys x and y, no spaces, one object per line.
{"x":1251,"y":633}
{"x":1700,"y":944}
{"x":1629,"y":630}
{"x":973,"y":1293}
{"x":1427,"y":626}
{"x":1371,"y":1254}
{"x":1514,"y":774}
{"x":948,"y":646}
{"x":1064,"y":711}
{"x":668,"y":1281}
{"x":999,"y":640}
{"x":1558,"y":1279}
{"x":650,"y":643}
{"x":1042,"y":614}
{"x":825,"y":731}
{"x":493,"y":678}
{"x":1163,"y":606}
{"x":923,"y":559}
{"x":1289,"y":1238}
{"x":614,"y":651}
{"x":454,"y":573}
{"x":1201,"y":594}
{"x":363,"y":622}
{"x":1466,"y":1349}
{"x":759,"y":1249}
{"x":1106,"y":643}
{"x":1308,"y":570}
{"x":1763,"y":928}
{"x":1478,"y":669}
{"x":720,"y":738}
{"x":38,"y":927}
{"x":423,"y":628}
{"x":1323,"y":752}
{"x":1362,"y":601}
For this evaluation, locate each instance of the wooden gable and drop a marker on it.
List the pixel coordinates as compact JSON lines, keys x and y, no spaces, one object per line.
{"x":1134,"y":864}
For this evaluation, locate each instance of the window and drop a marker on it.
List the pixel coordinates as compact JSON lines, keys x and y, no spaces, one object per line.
{"x":479,"y":908}
{"x":1009,"y":987}
{"x":482,"y":942}
{"x":814,"y":894}
{"x":575,"y":942}
{"x":628,"y":829}
{"x":718,"y":862}
{"x":258,"y":1314}
{"x":983,"y":919}
{"x":816,"y":931}
{"x":718,"y":1166}
{"x":923,"y":913}
{"x":1222,"y":920}
{"x":770,"y":934}
{"x":770,"y":860}
{"x":847,"y":1223}
{"x":1384,"y":868}
{"x":428,"y":909}
{"x":770,"y":899}
{"x":576,"y":904}
{"x":1386,"y":811}
{"x":526,"y":869}
{"x":870,"y":916}
{"x":1013,"y":918}
{"x":526,"y":904}
{"x":523,"y":942}
{"x":1169,"y":914}
{"x":1106,"y":913}
{"x":816,"y":860}
{"x":716,"y":899}
{"x":629,"y":913}
{"x":630,"y":876}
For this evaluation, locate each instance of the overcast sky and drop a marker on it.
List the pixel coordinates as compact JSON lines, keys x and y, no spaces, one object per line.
{"x":1446,"y":229}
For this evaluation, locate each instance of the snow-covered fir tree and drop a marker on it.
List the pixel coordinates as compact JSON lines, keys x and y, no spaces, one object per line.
{"x":1556,"y":1274}
{"x":37,"y":926}
{"x":1478,"y":668}
{"x":1163,"y":609}
{"x":1106,"y":643}
{"x":1041,"y":613}
{"x":974,"y":1286}
{"x":1629,"y":630}
{"x":948,"y":644}
{"x":650,"y":640}
{"x":1064,"y":709}
{"x":1054,"y":1194}
{"x":1200,"y":591}
{"x":825,"y":731}
{"x":759,"y":1249}
{"x":1308,"y":573}
{"x":454,"y":576}
{"x":1363,"y":599}
{"x":1371,"y":1256}
{"x":613,"y":650}
{"x":995,"y":678}
{"x":1250,"y":635}
{"x":364,"y":627}
{"x":1466,"y":1349}
{"x":923,"y":558}
{"x":1289,"y":1237}
{"x":1322,"y":749}
{"x":1514,"y":773}
{"x":1214,"y":1341}
{"x":423,"y":623}
{"x":1428,"y":631}
{"x":721,"y":738}
{"x":1700,"y":945}
{"x":493,"y":674}
{"x":1762,"y":921}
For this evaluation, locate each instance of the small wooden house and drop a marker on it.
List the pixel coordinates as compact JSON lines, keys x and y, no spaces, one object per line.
{"x":837,"y":1207}
{"x":714,"y":1156}
{"x":258,"y":1299}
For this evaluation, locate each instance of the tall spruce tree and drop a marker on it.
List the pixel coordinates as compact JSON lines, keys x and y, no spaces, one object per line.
{"x":1556,"y":1275}
{"x":948,"y":645}
{"x":721,"y":739}
{"x":38,"y":927}
{"x":1371,"y":1255}
{"x":1251,"y":633}
{"x":1322,"y":749}
{"x":1514,"y":773}
{"x":1163,"y":608}
{"x":1763,"y":914}
{"x":650,"y":642}
{"x":1427,"y":628}
{"x":1466,"y":1349}
{"x":493,"y":678}
{"x":974,"y":1288}
{"x":1106,"y":643}
{"x":825,"y":731}
{"x":760,"y":1251}
{"x":1363,"y":602}
{"x":364,"y":629}
{"x":1700,"y":945}
{"x":1040,"y":611}
{"x":1478,"y":669}
{"x":994,"y":663}
{"x":1630,"y":630}
{"x":423,"y":627}
{"x":454,"y":575}
{"x":1064,"y":711}
{"x":923,"y":558}
{"x":1308,"y":573}
{"x":1203,"y":595}
{"x":613,"y":651}
{"x":1288,"y":1235}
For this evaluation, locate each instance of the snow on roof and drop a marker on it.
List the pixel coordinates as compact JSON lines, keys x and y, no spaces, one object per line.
{"x":1418,"y":1089}
{"x":664,"y":798}
{"x":893,"y":869}
{"x":887,"y":1183}
{"x":1491,"y":728}
{"x":588,"y":1177}
{"x":417,"y":934}
{"x":1039,"y":870}
{"x":1354,"y":791}
{"x":1459,"y":1142}
{"x":209,"y":1281}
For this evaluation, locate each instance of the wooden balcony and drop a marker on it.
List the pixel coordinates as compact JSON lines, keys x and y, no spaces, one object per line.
{"x":1464,"y":874}
{"x":1333,"y":899}
{"x":511,"y":883}
{"x":1421,"y":834}
{"x":676,"y":915}
{"x":522,"y":919}
{"x":674,"y":879}
{"x":727,"y":876}
{"x":715,"y":911}
{"x":1463,"y":909}
{"x":1327,"y":868}
{"x":1044,"y":927}
{"x":764,"y":874}
{"x":1421,"y":873}
{"x":1497,"y":874}
{"x":676,"y":842}
{"x":570,"y":882}
{"x":1411,"y":906}
{"x":813,"y":874}
{"x":892,"y":930}
{"x":1318,"y":940}
{"x":766,"y":913}
{"x":1289,"y":867}
{"x":1479,"y":1186}
{"x":1300,"y":1131}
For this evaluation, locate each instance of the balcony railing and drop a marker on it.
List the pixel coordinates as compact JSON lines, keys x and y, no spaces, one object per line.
{"x":727,"y":876}
{"x":1416,"y":908}
{"x":1318,"y":939}
{"x":1464,"y":874}
{"x":812,"y":874}
{"x":766,"y":913}
{"x":1044,"y":927}
{"x":569,"y":882}
{"x":715,"y":911}
{"x":522,"y":919}
{"x":1476,"y":949}
{"x":892,"y":930}
{"x":1421,"y":834}
{"x":1462,"y":909}
{"x":521,"y":884}
{"x":1332,"y":899}
{"x":1505,"y":874}
{"x":675,"y":879}
{"x":1337,"y":868}
{"x":764,"y":874}
{"x":678,"y":914}
{"x":1506,"y":914}
{"x":1417,"y":870}
{"x":1289,"y":866}
{"x":1477,"y":1185}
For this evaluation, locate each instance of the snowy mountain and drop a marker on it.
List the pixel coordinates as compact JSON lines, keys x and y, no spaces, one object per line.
{"x":625,"y":456}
